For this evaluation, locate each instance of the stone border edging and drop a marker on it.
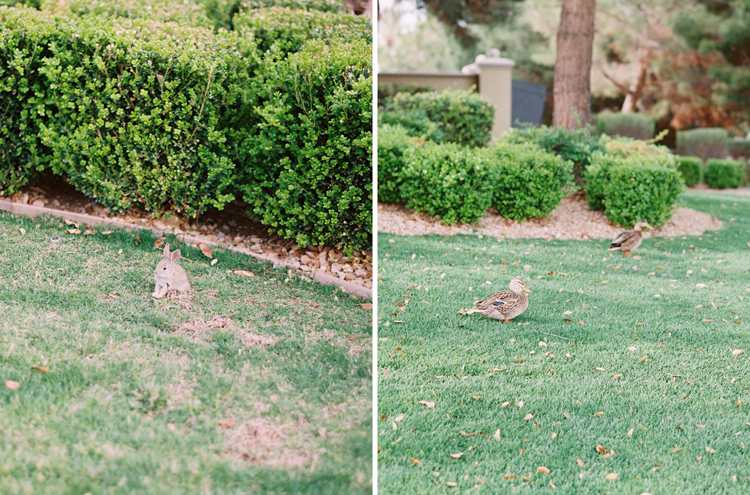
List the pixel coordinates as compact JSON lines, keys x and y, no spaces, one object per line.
{"x":32,"y":211}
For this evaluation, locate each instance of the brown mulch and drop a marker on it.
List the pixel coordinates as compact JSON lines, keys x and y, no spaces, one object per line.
{"x":572,"y":220}
{"x":229,"y":227}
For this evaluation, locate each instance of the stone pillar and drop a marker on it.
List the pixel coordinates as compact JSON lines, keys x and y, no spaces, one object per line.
{"x":495,"y":81}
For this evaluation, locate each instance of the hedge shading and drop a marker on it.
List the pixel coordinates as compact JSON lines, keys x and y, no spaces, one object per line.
{"x":527,"y":182}
{"x":691,"y":168}
{"x":463,"y":117}
{"x":393,"y":143}
{"x":704,"y":143}
{"x":309,"y":165}
{"x":633,"y":188}
{"x":448,"y":181}
{"x":632,"y":125}
{"x":724,"y":174}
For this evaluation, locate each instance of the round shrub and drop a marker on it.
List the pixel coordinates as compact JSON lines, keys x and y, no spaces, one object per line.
{"x":723,"y":174}
{"x":710,"y":142}
{"x":642,"y":187}
{"x":448,"y":181}
{"x":691,"y":168}
{"x":414,"y":120}
{"x":463,"y":117}
{"x":597,"y":176}
{"x":527,"y":181}
{"x":632,"y":125}
{"x":393,"y":142}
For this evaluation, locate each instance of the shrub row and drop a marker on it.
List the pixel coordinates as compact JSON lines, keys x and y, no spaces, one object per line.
{"x":461,"y":117}
{"x":631,"y":125}
{"x":691,"y":168}
{"x":634,"y":187}
{"x":170,"y":117}
{"x":724,"y":174}
{"x":704,"y":143}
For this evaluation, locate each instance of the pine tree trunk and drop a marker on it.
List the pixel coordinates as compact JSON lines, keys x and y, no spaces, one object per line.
{"x":575,"y":39}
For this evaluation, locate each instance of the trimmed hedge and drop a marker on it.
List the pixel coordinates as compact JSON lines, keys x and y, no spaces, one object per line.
{"x":414,"y":121}
{"x":633,"y":188}
{"x":188,"y":12}
{"x":527,"y":181}
{"x":631,"y":125}
{"x":309,"y":165}
{"x":393,"y":143}
{"x":463,"y":117}
{"x":704,"y":143}
{"x":288,"y":29}
{"x":691,"y":168}
{"x":739,"y":148}
{"x":575,"y":146}
{"x":723,"y":174}
{"x":449,"y":181}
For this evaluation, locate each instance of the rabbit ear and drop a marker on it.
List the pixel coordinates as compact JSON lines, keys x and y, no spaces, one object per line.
{"x":175,"y":256}
{"x":166,"y":250}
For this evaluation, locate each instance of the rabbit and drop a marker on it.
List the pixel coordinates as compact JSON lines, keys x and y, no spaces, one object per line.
{"x":169,"y":275}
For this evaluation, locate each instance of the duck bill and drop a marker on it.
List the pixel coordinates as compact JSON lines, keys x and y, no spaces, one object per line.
{"x":526,"y":289}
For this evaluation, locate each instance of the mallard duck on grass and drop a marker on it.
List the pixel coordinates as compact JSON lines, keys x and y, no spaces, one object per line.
{"x":630,"y":239}
{"x":504,"y":305}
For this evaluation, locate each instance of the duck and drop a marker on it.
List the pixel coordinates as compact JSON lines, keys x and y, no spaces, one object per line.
{"x":504,"y":305}
{"x":628,"y":240}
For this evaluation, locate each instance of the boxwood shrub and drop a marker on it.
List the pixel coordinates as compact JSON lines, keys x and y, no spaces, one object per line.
{"x":710,"y":142}
{"x":393,"y":143}
{"x":631,"y":125}
{"x":462,"y":116}
{"x":414,"y":121}
{"x":527,"y":181}
{"x":288,"y":29}
{"x":634,"y":187}
{"x":691,"y":168}
{"x":309,"y":161}
{"x":723,"y":174}
{"x":449,"y":181}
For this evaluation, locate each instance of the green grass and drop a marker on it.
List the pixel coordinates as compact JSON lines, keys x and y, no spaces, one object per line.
{"x":678,"y":401}
{"x":130,"y":405}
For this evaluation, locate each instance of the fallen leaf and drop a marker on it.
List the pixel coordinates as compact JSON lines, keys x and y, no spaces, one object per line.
{"x":676,"y":449}
{"x":227,"y":423}
{"x":214,"y":261}
{"x":616,"y":377}
{"x":543,"y":469}
{"x":462,"y":432}
{"x":366,"y":305}
{"x":43,"y":369}
{"x":737,"y":352}
{"x":600,"y":369}
{"x":567,"y":355}
{"x":520,"y":404}
{"x":601,"y":449}
{"x":496,"y":436}
{"x":566,"y":415}
{"x":205,"y":250}
{"x":542,"y":343}
{"x":710,"y":450}
{"x":74,"y":231}
{"x":244,"y":273}
{"x":552,"y":485}
{"x":429,"y":404}
{"x":554,"y":435}
{"x":23,"y":231}
{"x":12,"y":385}
{"x":528,"y":417}
{"x":510,"y":476}
{"x":568,"y":313}
{"x":631,"y":348}
{"x":398,"y":418}
{"x":698,"y":457}
{"x":106,"y":232}
{"x":612,"y":476}
{"x":137,"y":238}
{"x":701,"y":286}
{"x":580,"y":462}
{"x":505,"y":404}
{"x":89,"y":232}
{"x":416,"y":462}
{"x":158,"y":243}
{"x":644,"y":358}
{"x":630,"y":432}
{"x":451,"y":483}
{"x":600,"y":413}
{"x":526,"y":479}
{"x":475,"y":397}
{"x":457,"y":456}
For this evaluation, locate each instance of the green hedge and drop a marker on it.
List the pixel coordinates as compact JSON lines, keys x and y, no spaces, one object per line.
{"x":463,"y":117}
{"x":289,"y":29}
{"x":633,"y":188}
{"x":723,"y":174}
{"x":189,"y":13}
{"x":575,"y":146}
{"x":393,"y":143}
{"x":691,"y":168}
{"x":309,"y":170}
{"x":739,"y":148}
{"x":704,"y":143}
{"x":527,"y":181}
{"x":632,"y":125}
{"x":169,"y":117}
{"x":448,"y":181}
{"x":414,"y":121}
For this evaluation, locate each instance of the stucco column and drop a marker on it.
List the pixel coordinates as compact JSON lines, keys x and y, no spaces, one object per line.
{"x":495,"y":81}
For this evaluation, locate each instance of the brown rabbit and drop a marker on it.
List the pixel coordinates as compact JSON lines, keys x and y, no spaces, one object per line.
{"x":169,"y":275}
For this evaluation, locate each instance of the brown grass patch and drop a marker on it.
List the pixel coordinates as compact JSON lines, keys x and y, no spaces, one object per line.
{"x":196,"y":330}
{"x":258,"y":441}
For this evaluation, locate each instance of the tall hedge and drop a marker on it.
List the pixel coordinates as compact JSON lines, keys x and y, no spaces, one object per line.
{"x":710,"y":142}
{"x":462,"y":116}
{"x":309,"y":167}
{"x":393,"y":144}
{"x":691,"y":168}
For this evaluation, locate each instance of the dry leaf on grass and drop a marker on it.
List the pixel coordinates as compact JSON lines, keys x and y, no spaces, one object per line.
{"x":43,"y":369}
{"x":612,"y":476}
{"x":528,"y":417}
{"x":451,"y":483}
{"x":710,"y":450}
{"x":599,"y":413}
{"x":416,"y":462}
{"x":630,"y":432}
{"x":458,"y":455}
{"x":427,"y":403}
{"x":244,"y":273}
{"x":543,"y":469}
{"x":214,"y":261}
{"x":11,"y":385}
{"x":227,"y":423}
{"x":580,"y":462}
{"x":205,"y":250}
{"x":366,"y":305}
{"x":496,"y":436}
{"x":737,"y":352}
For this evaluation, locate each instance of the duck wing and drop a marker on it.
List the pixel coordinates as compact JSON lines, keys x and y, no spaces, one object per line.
{"x":624,"y":238}
{"x":497,"y":299}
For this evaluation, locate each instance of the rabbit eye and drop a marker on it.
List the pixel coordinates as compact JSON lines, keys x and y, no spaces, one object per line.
{"x":164,"y":268}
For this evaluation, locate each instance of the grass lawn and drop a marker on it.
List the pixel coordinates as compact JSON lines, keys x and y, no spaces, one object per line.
{"x":629,"y":355}
{"x":243,"y":385}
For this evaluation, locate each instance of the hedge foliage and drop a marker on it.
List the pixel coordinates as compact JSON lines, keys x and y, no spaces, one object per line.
{"x":462,"y":117}
{"x":633,"y":188}
{"x":704,"y":143}
{"x":724,"y":174}
{"x":170,"y":117}
{"x":576,"y":146}
{"x":527,"y":181}
{"x":393,"y":143}
{"x":414,"y":121}
{"x":631,"y":125}
{"x":448,"y":181}
{"x":691,"y":168}
{"x":309,"y":172}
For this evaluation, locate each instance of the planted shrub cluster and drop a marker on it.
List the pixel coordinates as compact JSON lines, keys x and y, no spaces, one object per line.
{"x":633,"y":188}
{"x":723,"y":174}
{"x":170,"y":117}
{"x":462,"y":117}
{"x":703,"y":143}
{"x":691,"y":168}
{"x":393,"y":143}
{"x":632,"y":125}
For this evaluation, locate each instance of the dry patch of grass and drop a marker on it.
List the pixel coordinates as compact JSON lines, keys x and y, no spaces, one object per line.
{"x":258,"y":441}
{"x":197,"y":329}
